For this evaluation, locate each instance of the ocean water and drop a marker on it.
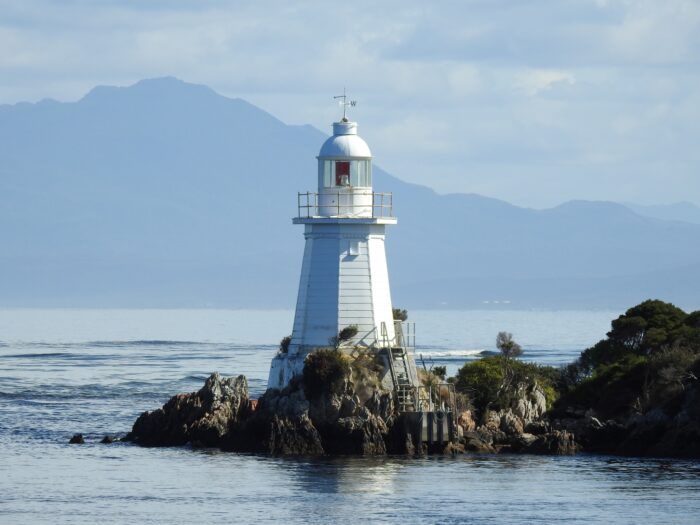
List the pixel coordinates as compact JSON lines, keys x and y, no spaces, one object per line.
{"x":94,"y":371}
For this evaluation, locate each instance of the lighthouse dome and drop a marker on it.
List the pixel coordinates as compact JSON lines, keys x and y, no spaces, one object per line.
{"x":345,"y":142}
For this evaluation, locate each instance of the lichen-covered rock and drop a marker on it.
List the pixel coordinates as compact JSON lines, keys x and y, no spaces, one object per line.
{"x":465,"y":420}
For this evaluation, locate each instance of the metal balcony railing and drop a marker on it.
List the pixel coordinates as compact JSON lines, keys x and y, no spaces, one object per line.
{"x":345,"y":205}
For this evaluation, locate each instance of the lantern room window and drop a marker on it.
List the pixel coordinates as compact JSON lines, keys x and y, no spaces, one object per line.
{"x":355,"y":173}
{"x":342,"y":173}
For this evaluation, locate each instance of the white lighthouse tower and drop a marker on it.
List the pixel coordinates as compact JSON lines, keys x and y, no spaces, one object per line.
{"x":344,"y":278}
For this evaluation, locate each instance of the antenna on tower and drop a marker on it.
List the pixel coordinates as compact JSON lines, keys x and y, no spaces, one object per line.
{"x":345,"y":103}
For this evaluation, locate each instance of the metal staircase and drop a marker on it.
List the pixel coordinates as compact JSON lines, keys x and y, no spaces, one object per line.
{"x":428,"y":417}
{"x":401,"y":376}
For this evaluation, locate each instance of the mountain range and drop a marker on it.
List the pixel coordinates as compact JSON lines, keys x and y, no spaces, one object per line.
{"x":167,"y":194}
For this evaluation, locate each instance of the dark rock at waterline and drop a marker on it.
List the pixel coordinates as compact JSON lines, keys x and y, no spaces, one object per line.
{"x":108,"y":439}
{"x":202,"y":418}
{"x":555,"y":443}
{"x":77,"y":439}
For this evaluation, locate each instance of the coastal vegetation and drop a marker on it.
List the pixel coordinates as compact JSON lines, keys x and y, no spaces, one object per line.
{"x":284,"y":344}
{"x":648,"y":360}
{"x":400,"y":314}
{"x":634,"y":392}
{"x":325,"y":371}
{"x":344,"y":335}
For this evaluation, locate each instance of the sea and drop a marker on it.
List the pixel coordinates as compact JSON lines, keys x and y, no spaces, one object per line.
{"x":93,"y":372}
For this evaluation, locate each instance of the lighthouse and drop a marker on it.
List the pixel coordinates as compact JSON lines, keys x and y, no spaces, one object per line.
{"x":344,"y":278}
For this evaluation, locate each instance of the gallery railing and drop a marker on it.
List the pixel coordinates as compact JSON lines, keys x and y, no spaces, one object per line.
{"x":340,"y":204}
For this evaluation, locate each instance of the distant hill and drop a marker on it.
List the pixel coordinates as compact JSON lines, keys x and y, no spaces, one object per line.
{"x":679,"y":211}
{"x":167,"y":194}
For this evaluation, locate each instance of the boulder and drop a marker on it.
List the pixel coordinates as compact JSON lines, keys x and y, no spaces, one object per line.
{"x":77,"y":439}
{"x":557,"y":443}
{"x":476,"y":442}
{"x":465,"y":420}
{"x":356,"y":435}
{"x":202,"y":418}
{"x":292,"y":436}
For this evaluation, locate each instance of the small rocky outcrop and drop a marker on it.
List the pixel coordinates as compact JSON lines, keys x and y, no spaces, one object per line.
{"x":520,"y":428}
{"x":335,"y":420}
{"x":76,"y":439}
{"x":201,"y":418}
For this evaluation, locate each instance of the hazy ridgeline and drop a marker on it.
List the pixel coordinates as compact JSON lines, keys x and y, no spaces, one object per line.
{"x":167,"y":194}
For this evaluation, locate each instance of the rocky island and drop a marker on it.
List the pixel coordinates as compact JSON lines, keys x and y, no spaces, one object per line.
{"x":634,"y":393}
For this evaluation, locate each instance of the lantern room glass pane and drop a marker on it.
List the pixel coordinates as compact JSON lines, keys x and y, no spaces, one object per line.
{"x":356,"y":173}
{"x":361,"y":173}
{"x":342,"y":173}
{"x":327,"y":172}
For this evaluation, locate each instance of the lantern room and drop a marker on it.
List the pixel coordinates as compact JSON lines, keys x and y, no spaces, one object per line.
{"x":345,"y":160}
{"x":345,"y":173}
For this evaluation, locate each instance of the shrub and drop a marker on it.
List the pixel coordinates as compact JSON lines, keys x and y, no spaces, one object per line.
{"x":284,"y":344}
{"x":325,"y":372}
{"x":366,"y":368}
{"x":345,"y":334}
{"x":440,"y":371}
{"x":399,"y":314}
{"x":613,"y":389}
{"x":508,"y":347}
{"x":484,"y":381}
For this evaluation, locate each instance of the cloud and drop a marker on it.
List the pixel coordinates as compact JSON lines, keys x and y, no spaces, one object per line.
{"x":533,"y":82}
{"x":536,"y":102}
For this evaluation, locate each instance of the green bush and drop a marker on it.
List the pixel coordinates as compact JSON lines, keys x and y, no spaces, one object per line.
{"x":613,"y":389}
{"x":440,"y":371}
{"x":345,"y":334}
{"x":325,"y":372}
{"x":284,"y":344}
{"x":649,"y":327}
{"x":366,"y":368}
{"x":643,"y":362}
{"x":399,"y":314}
{"x":484,"y":381}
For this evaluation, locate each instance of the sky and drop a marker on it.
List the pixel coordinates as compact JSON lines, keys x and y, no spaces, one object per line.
{"x":534,"y":102}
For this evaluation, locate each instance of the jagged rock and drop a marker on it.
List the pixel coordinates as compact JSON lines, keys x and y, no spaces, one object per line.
{"x":77,"y":439}
{"x":558,"y":443}
{"x":465,"y":420}
{"x":510,"y":423}
{"x":381,"y":404}
{"x":293,"y":436}
{"x":537,"y":427}
{"x":521,"y":442}
{"x":475,"y":442}
{"x":356,"y":435}
{"x":348,"y":407}
{"x":530,"y":404}
{"x":202,"y":418}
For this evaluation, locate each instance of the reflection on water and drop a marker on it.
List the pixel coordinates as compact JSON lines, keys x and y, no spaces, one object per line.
{"x":97,"y":376}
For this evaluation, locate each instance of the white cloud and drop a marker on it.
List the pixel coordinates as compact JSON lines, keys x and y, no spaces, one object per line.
{"x":536,"y":81}
{"x":536,"y":102}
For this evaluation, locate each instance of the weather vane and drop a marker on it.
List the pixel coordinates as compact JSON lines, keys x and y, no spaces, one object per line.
{"x":345,"y":103}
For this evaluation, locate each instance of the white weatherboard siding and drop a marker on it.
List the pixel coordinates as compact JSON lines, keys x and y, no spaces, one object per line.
{"x":381,"y":294}
{"x":344,"y":281}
